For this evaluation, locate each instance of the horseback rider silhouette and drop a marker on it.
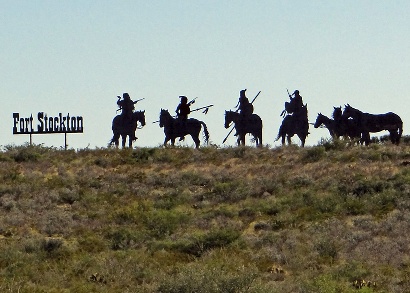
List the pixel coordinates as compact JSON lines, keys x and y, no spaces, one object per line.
{"x":245,"y":108}
{"x":127,"y":109}
{"x":183,"y":111}
{"x":297,"y":111}
{"x":294,"y":106}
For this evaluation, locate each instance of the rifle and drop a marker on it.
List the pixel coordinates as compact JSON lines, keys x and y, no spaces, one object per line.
{"x":237,"y":111}
{"x":205,"y":107}
{"x":284,"y":111}
{"x":120,"y":108}
{"x":192,"y":102}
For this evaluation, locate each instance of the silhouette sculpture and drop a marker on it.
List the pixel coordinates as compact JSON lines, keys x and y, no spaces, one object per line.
{"x":119,"y":128}
{"x":366,"y":123}
{"x":297,"y":123}
{"x":337,"y":127}
{"x":174,"y":127}
{"x":252,"y":125}
{"x":345,"y":127}
{"x":327,"y":122}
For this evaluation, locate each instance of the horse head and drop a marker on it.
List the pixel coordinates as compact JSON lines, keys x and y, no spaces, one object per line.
{"x":140,"y":116}
{"x":350,"y":112}
{"x":337,"y":113}
{"x":319,"y":120}
{"x":164,"y":117}
{"x":228,"y":118}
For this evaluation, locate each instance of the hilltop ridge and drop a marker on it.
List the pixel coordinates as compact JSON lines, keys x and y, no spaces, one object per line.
{"x":327,"y":218}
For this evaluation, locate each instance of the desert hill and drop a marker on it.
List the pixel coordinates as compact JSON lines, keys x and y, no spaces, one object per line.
{"x":326,"y":218}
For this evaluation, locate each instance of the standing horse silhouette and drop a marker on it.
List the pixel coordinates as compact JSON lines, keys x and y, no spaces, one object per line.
{"x":252,"y":125}
{"x":344,"y":126}
{"x":174,"y":128}
{"x":119,"y":128}
{"x":327,"y":122}
{"x":337,"y":127}
{"x":294,"y":124}
{"x":366,"y":123}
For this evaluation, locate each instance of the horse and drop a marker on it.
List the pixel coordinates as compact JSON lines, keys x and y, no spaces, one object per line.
{"x":295,"y":124}
{"x":327,"y":122}
{"x":344,"y":126}
{"x":175,"y":127}
{"x":337,"y":126}
{"x":252,"y":124}
{"x":367,"y":123}
{"x":119,"y":128}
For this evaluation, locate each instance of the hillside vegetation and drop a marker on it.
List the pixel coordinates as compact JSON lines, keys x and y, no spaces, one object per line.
{"x":314,"y":219}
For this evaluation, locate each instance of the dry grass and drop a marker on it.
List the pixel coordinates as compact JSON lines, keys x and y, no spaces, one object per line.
{"x":210,"y":220}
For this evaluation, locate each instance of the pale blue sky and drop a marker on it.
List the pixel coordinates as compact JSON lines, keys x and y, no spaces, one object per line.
{"x":77,"y":56}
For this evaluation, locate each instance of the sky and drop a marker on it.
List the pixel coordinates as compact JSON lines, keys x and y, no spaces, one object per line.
{"x":77,"y":56}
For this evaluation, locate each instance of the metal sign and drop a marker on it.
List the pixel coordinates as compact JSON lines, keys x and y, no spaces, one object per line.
{"x":46,"y":124}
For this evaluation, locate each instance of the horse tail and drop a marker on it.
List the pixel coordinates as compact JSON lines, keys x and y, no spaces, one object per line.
{"x":206,"y":133}
{"x":400,"y":132}
{"x":400,"y":129}
{"x":281,"y":132}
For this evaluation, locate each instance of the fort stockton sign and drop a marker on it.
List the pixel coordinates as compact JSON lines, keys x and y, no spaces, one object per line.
{"x":46,"y":124}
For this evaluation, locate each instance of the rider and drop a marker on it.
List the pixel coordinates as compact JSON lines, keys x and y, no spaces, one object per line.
{"x":126,"y":105}
{"x":296,"y":102}
{"x":127,"y":108}
{"x":183,"y":111}
{"x":295,"y":107}
{"x":245,"y":108}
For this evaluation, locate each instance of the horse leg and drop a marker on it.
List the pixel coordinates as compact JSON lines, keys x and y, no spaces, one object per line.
{"x":366,"y":138}
{"x":259,"y":137}
{"x":166,"y":140}
{"x":242,"y":138}
{"x":289,"y":140}
{"x":129,"y":142}
{"x":283,"y":139}
{"x":303,"y":139}
{"x":124,"y":137}
{"x":196,"y":140}
{"x":115,"y":140}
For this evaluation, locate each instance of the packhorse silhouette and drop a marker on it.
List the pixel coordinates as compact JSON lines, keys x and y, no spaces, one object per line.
{"x":174,"y":127}
{"x":297,"y":123}
{"x":344,"y":126}
{"x":126,"y":128}
{"x":327,"y":122}
{"x":367,"y":123}
{"x":338,"y":127}
{"x":251,"y":124}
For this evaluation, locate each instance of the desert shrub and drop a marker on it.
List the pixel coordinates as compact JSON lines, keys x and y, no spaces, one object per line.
{"x":354,"y":206}
{"x":69,"y":196}
{"x":198,"y":245}
{"x":51,"y":244}
{"x":211,"y":277}
{"x":56,"y":223}
{"x":333,"y":144}
{"x":314,"y":154}
{"x":327,"y":250}
{"x":230,"y":191}
{"x":161,"y":223}
{"x":29,"y":153}
{"x":171,"y":199}
{"x":144,"y":154}
{"x":123,"y":238}
{"x":94,"y":243}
